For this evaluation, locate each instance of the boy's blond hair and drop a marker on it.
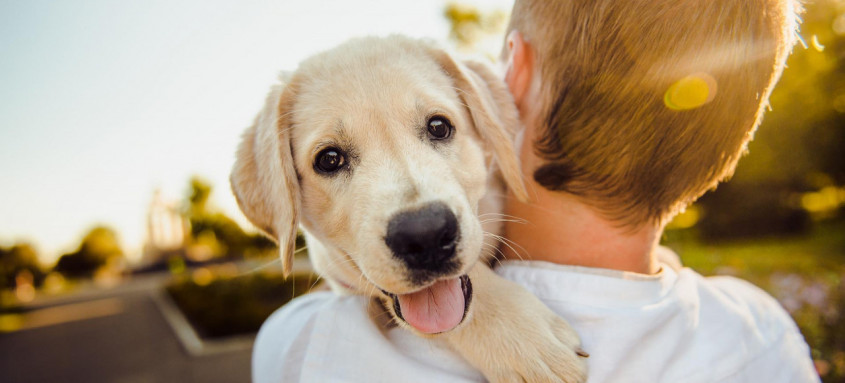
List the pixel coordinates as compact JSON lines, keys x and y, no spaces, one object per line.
{"x":648,"y":104}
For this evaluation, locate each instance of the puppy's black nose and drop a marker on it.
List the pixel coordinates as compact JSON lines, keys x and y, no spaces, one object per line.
{"x":424,"y":239}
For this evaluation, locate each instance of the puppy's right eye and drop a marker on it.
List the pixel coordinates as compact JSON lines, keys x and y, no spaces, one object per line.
{"x":330,"y":160}
{"x":439,"y":128}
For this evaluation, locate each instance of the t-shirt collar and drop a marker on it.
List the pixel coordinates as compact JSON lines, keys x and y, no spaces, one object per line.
{"x":588,"y":285}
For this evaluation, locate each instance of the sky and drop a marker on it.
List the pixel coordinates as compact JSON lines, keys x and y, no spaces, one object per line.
{"x":103,"y":102}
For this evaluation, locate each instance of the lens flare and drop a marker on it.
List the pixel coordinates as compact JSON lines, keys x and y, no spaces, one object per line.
{"x":816,"y":44}
{"x":690,"y":92}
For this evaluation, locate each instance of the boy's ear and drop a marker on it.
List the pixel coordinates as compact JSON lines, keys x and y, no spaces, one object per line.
{"x":519,"y":72}
{"x":264,"y":179}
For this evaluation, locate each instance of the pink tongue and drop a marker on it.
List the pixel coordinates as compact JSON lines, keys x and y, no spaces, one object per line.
{"x":436,"y":309}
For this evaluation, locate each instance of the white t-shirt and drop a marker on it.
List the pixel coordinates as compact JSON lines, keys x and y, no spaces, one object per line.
{"x":676,"y":326}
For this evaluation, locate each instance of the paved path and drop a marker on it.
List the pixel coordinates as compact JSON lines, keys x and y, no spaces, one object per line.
{"x":120,"y":337}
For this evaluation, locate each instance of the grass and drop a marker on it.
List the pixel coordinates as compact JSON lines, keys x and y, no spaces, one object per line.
{"x":820,"y":251}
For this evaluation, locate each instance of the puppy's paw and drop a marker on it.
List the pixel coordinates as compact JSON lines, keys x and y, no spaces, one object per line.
{"x":542,"y":349}
{"x":511,"y":336}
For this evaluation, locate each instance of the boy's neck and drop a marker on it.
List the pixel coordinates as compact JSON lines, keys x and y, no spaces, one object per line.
{"x":559,"y":228}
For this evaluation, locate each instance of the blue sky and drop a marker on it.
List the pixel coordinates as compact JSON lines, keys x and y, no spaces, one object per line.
{"x":102,"y":102}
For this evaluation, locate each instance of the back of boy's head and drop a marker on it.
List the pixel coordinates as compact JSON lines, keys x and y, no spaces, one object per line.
{"x":649,"y":104}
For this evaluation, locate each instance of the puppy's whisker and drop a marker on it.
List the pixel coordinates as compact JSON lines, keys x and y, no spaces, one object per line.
{"x":501,"y":195}
{"x":491,"y":259}
{"x":459,"y":91}
{"x":499,"y":218}
{"x":519,"y":253}
{"x":260,"y":267}
{"x":282,"y":116}
{"x":490,"y":255}
{"x":337,"y":264}
{"x":372,"y":289}
{"x":314,"y":284}
{"x":508,"y":216}
{"x":520,"y":221}
{"x":510,"y":242}
{"x":369,"y":287}
{"x":267,"y":264}
{"x":384,"y":314}
{"x":495,"y":217}
{"x":507,"y":243}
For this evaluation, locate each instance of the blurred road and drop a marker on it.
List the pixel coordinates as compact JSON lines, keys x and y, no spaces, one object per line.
{"x":117,"y":336}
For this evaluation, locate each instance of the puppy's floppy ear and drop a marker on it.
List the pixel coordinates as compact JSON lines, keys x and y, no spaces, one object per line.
{"x":493,"y":112}
{"x":264,"y":179}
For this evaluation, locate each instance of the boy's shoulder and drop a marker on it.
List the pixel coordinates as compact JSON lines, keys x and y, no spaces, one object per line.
{"x":749,"y":302}
{"x":761,"y":340}
{"x":724,"y":299}
{"x":675,"y":326}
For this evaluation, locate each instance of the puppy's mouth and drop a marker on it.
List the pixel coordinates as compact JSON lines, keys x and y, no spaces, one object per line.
{"x":436,"y":308}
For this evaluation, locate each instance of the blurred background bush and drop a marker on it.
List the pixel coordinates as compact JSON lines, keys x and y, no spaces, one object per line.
{"x":220,"y":305}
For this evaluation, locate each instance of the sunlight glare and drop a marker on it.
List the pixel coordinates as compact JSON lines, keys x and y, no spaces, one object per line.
{"x":690,"y":92}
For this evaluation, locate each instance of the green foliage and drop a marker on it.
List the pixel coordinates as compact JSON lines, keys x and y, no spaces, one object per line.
{"x":20,"y":258}
{"x":97,"y":248}
{"x":231,"y":306}
{"x":801,"y":138}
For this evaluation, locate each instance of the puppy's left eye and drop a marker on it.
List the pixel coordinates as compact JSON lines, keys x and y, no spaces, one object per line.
{"x":439,"y":128}
{"x":330,"y":160}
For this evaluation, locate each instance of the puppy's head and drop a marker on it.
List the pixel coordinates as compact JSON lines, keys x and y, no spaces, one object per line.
{"x":380,"y":149}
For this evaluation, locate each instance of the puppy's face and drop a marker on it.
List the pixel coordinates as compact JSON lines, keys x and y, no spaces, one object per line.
{"x":375,"y":147}
{"x":390,"y":169}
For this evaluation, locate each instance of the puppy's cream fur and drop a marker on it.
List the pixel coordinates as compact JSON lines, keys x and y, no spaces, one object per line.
{"x":371,"y":98}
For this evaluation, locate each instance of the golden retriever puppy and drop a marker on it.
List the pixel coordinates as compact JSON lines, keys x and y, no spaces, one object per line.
{"x":383,"y":150}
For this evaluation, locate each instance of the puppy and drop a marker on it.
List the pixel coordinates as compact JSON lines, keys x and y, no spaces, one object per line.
{"x":383,"y":150}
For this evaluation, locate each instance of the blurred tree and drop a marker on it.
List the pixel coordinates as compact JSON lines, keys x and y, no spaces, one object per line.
{"x":98,"y":247}
{"x":465,"y":23}
{"x":476,"y":31}
{"x":217,"y":233}
{"x":21,"y":257}
{"x":199,"y":192}
{"x":801,"y":139}
{"x":799,"y":146}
